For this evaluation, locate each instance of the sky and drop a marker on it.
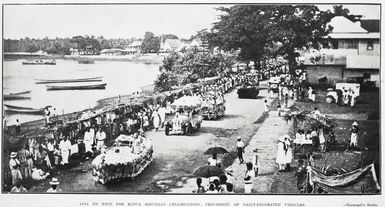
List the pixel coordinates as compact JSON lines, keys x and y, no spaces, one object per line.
{"x":120,"y":21}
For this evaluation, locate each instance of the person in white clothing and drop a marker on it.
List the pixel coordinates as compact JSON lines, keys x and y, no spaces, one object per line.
{"x":321,"y":138}
{"x":309,"y":93}
{"x":100,"y":138}
{"x":162,"y":113}
{"x":88,"y":140}
{"x":65,"y":150}
{"x":248,"y":179}
{"x":156,"y":120}
{"x":255,"y":162}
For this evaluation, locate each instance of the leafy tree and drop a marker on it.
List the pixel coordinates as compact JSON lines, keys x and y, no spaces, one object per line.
{"x":243,"y":28}
{"x":150,"y":43}
{"x":338,"y":10}
{"x":190,"y":66}
{"x":297,"y":27}
{"x":257,"y":31}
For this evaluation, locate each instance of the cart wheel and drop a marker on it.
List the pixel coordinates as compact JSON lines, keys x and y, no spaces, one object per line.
{"x":329,"y":99}
{"x":188,"y":130}
{"x":167,"y":130}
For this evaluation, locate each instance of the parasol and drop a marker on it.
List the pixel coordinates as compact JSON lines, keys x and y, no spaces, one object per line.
{"x":208,"y":171}
{"x":215,"y":150}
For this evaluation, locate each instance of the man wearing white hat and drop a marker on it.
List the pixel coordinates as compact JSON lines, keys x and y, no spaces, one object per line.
{"x":354,"y":135}
{"x":240,"y":149}
{"x":14,"y":165}
{"x":54,"y":186}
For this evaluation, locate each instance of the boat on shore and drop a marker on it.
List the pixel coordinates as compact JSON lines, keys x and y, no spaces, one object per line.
{"x":77,"y":87}
{"x":93,"y":79}
{"x":17,"y":96}
{"x":23,"y":110}
{"x":39,"y":62}
{"x":86,"y":61}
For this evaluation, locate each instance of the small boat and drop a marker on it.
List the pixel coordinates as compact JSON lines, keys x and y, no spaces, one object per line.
{"x":39,"y":62}
{"x":44,"y":81}
{"x":86,"y":61}
{"x":17,"y":96}
{"x":25,"y":110}
{"x":21,"y":93}
{"x":77,"y":87}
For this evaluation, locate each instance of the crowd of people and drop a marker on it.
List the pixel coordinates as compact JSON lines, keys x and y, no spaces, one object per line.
{"x":87,"y":136}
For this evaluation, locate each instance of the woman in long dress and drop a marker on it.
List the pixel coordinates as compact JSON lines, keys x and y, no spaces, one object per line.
{"x":156,"y":120}
{"x":281,"y":154}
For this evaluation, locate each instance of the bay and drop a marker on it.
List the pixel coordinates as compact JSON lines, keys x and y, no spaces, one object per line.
{"x":122,"y":78}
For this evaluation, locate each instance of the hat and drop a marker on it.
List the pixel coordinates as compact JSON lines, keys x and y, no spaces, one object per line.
{"x":355,"y":123}
{"x":13,"y":154}
{"x":255,"y":150}
{"x":238,"y":138}
{"x":54,"y":181}
{"x":229,"y":170}
{"x":281,"y":139}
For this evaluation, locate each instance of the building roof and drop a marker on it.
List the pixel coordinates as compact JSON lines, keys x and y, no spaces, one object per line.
{"x":136,"y":44}
{"x":341,"y":24}
{"x":343,"y":28}
{"x":174,"y":43}
{"x":371,"y":25}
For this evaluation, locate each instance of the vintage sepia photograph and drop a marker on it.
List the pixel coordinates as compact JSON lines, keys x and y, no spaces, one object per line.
{"x":185,"y":98}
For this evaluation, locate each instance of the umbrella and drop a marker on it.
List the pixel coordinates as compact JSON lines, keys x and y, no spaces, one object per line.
{"x":215,"y":150}
{"x":208,"y":171}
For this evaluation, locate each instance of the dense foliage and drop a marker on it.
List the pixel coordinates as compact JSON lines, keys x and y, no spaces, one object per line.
{"x":91,"y":44}
{"x":191,"y":65}
{"x":150,"y":43}
{"x":257,"y":31}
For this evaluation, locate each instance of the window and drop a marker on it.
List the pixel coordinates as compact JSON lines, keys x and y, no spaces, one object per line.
{"x":370,"y":45}
{"x":353,"y":44}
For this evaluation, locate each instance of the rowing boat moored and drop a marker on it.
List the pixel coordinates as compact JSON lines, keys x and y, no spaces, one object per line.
{"x":77,"y":87}
{"x":17,"y":96}
{"x":21,"y":109}
{"x":93,"y":79}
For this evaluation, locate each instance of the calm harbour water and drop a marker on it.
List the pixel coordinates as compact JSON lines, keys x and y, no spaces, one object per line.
{"x":122,"y":78}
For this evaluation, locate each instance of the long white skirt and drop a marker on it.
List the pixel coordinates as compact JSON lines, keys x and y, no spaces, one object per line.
{"x":65,"y":155}
{"x":281,"y":155}
{"x":289,"y":155}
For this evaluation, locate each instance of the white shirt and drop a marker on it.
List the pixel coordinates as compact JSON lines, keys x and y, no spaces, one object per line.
{"x":88,"y":136}
{"x":240,"y":144}
{"x":65,"y":145}
{"x":100,"y":136}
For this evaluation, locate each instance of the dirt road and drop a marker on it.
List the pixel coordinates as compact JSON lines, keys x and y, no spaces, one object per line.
{"x":177,"y":157}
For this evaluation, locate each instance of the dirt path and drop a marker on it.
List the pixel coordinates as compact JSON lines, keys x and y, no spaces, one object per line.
{"x":177,"y":157}
{"x":265,"y":140}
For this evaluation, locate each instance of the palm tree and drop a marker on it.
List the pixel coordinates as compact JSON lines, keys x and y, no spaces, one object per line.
{"x":297,"y":117}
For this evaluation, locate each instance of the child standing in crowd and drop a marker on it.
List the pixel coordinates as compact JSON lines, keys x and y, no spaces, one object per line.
{"x":354,"y":136}
{"x":266,"y":106}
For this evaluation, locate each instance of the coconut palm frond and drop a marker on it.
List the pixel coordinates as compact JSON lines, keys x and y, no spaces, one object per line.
{"x":293,"y":108}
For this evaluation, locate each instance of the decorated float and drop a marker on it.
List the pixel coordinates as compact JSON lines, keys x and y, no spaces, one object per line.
{"x":128,"y":158}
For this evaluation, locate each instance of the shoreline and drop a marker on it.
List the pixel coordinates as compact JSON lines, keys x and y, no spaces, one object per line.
{"x":145,"y":58}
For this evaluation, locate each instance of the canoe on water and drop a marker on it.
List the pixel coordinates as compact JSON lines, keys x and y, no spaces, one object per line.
{"x":77,"y":87}
{"x":24,"y":110}
{"x":93,"y":79}
{"x":17,"y":96}
{"x":39,"y":62}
